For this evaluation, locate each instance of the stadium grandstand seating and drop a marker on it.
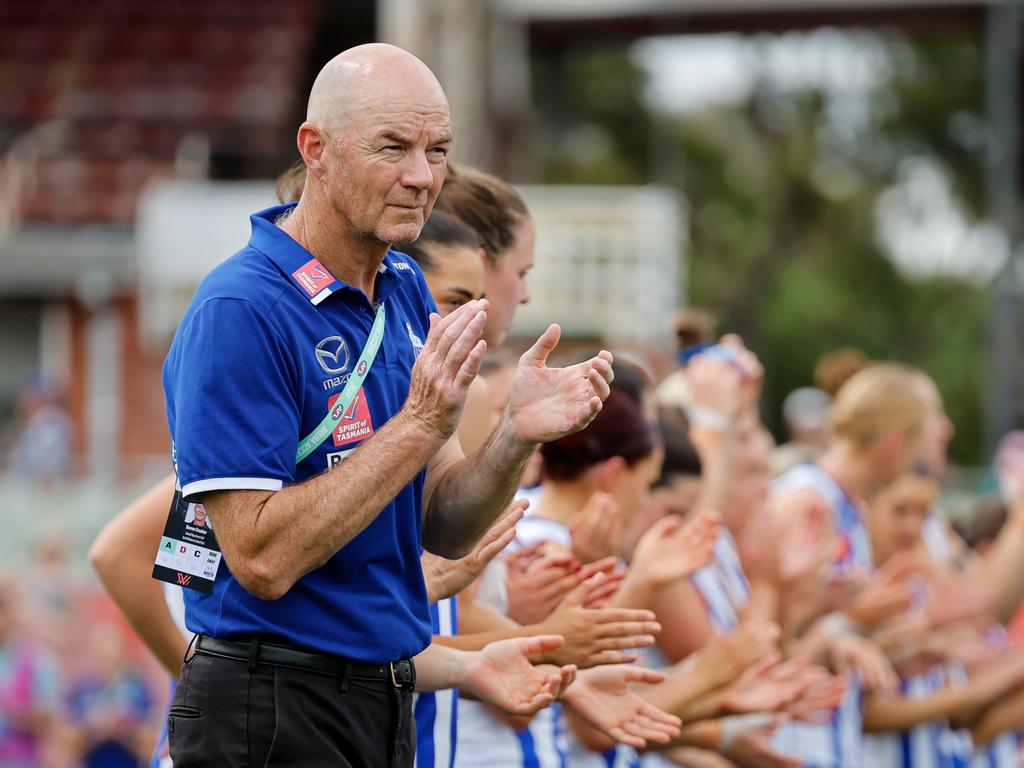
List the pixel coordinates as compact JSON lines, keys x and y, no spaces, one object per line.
{"x":96,"y":99}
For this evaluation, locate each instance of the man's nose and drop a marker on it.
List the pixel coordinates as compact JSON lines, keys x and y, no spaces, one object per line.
{"x":417,"y":172}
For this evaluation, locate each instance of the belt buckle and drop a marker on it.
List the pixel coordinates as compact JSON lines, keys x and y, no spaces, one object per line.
{"x":402,"y":668}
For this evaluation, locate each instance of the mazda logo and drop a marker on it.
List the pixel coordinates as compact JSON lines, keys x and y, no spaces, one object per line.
{"x":332,"y":354}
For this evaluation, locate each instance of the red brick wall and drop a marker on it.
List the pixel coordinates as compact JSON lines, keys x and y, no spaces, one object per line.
{"x":143,"y":420}
{"x":143,"y":416}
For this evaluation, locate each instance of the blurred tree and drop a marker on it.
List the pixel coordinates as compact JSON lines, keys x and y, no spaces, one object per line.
{"x":782,"y":202}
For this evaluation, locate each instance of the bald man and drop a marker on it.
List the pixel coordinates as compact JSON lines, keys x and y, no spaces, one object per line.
{"x":318,"y":348}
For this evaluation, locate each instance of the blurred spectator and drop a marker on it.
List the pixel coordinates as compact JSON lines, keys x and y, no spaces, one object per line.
{"x":677,"y":488}
{"x":110,"y":706}
{"x":805,"y":411}
{"x":29,"y":688}
{"x":694,"y":329}
{"x":834,"y":368}
{"x":983,"y":525}
{"x":1009,"y":465}
{"x":694,"y":326}
{"x":41,"y":452}
{"x":54,"y":587}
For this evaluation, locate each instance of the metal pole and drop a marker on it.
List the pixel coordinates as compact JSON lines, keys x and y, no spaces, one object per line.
{"x":1002,"y":187}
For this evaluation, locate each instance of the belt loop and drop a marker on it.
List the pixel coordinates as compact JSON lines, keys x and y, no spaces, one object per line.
{"x":254,"y":654}
{"x":191,"y":646}
{"x":343,"y":681}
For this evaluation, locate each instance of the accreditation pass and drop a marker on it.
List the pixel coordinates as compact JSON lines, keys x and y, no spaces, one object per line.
{"x":189,"y":555}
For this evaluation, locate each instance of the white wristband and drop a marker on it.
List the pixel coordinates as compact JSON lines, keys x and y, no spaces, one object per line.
{"x":736,"y":725}
{"x":836,"y":623}
{"x":704,"y":417}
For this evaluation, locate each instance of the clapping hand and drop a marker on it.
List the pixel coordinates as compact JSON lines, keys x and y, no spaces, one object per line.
{"x":822,"y":693}
{"x":545,"y":403}
{"x":534,"y":592}
{"x":445,"y":577}
{"x":445,"y":367}
{"x":502,"y":675}
{"x":888,"y":593}
{"x":603,"y":698}
{"x":767,"y":686}
{"x":850,"y":651}
{"x":723,"y":658}
{"x":674,"y":549}
{"x":596,"y":636}
{"x":596,"y":529}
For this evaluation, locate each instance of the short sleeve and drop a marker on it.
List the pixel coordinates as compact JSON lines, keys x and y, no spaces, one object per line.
{"x":231,"y":400}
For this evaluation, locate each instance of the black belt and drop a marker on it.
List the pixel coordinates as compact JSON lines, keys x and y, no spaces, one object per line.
{"x":400,"y":674}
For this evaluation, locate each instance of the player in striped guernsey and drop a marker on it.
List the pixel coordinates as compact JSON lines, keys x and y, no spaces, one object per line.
{"x":722,"y":587}
{"x":877,"y":422}
{"x":994,"y":577}
{"x":911,"y":729}
{"x":436,"y":712}
{"x":541,"y":742}
{"x":448,"y":253}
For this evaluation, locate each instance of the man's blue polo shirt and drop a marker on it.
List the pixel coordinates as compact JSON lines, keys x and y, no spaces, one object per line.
{"x":261,"y":354}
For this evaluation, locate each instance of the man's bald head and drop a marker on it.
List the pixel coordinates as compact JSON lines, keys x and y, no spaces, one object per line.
{"x":375,"y":143}
{"x":375,"y":73}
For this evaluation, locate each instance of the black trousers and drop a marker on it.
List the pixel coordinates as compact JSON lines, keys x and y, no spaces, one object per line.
{"x":226,"y":714}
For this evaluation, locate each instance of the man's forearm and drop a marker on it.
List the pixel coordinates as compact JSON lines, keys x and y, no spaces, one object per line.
{"x":271,"y":540}
{"x":439,"y":667}
{"x":473,"y":492}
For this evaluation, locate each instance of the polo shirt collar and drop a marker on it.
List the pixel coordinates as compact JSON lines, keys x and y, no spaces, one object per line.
{"x":311,"y":278}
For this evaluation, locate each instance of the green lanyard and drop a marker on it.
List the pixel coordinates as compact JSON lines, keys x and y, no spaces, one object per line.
{"x":312,"y":441}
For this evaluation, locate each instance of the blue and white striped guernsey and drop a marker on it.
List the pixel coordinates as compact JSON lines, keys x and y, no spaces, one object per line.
{"x":436,"y":713}
{"x":1003,"y":752}
{"x":161,"y":757}
{"x":722,"y":584}
{"x":929,"y":745}
{"x":619,"y":756}
{"x":955,"y":747}
{"x":838,"y":744}
{"x":486,"y":742}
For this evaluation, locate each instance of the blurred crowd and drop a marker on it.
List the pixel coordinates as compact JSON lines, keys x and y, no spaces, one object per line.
{"x":77,"y":688}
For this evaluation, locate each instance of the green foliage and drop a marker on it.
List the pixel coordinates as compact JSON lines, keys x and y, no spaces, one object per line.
{"x":782,"y":237}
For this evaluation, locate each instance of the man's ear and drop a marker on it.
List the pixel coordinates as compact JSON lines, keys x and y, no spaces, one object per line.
{"x":312,"y":144}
